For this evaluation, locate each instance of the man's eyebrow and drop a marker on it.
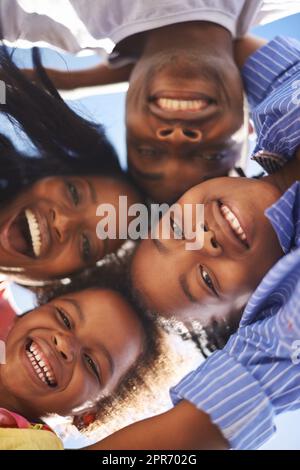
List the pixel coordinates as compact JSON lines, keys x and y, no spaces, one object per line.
{"x":147,"y":176}
{"x":186,"y":290}
{"x":77,"y":308}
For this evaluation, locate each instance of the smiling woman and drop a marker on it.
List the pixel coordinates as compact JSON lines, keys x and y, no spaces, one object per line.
{"x":48,"y":200}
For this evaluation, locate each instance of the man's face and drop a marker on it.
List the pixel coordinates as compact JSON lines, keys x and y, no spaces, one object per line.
{"x":211,"y":284}
{"x":181,"y":113}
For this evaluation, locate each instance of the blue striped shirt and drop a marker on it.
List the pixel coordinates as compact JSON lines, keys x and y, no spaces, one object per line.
{"x":272,"y":81}
{"x":257,"y":375}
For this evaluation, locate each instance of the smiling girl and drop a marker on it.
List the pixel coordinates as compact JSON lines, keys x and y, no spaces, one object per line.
{"x":68,"y":357}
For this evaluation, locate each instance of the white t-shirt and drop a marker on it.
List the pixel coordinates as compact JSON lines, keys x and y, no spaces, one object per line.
{"x":74,"y":25}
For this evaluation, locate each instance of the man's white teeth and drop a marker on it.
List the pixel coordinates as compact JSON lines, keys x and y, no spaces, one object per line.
{"x":35,"y":232}
{"x":43,"y":370}
{"x":233,"y":222}
{"x":181,"y":105}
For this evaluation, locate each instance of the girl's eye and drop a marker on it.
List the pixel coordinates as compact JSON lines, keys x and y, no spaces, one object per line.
{"x":64,"y":318}
{"x":86,"y":249}
{"x":91,"y":364}
{"x":178,"y":232}
{"x":73,"y":193}
{"x":208,"y":280}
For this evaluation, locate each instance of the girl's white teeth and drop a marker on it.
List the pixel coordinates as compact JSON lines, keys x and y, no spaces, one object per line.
{"x":233,"y":222}
{"x":35,"y":232}
{"x":182,"y":105}
{"x":43,"y":371}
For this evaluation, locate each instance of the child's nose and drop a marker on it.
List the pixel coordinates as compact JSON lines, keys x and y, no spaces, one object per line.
{"x":211,"y":244}
{"x":65,"y":346}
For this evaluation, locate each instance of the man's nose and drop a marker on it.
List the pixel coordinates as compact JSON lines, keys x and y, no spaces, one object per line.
{"x":65,"y":346}
{"x":178,"y":135}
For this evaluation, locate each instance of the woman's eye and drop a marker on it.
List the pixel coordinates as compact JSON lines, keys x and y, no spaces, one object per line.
{"x":207,"y":279}
{"x":73,"y":193}
{"x":91,"y":364}
{"x":178,"y":232}
{"x":64,"y":318}
{"x":86,"y":249}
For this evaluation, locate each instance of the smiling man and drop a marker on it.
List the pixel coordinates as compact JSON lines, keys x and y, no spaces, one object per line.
{"x":185,"y":97}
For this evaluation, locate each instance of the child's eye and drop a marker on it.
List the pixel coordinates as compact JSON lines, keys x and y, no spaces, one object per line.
{"x":91,"y":364}
{"x":178,"y":232}
{"x":208,"y":280}
{"x":64,"y":318}
{"x":73,"y":193}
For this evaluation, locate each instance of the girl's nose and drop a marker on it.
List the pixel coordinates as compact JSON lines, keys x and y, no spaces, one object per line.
{"x":211,"y":244}
{"x":65,"y":346}
{"x":61,"y":224}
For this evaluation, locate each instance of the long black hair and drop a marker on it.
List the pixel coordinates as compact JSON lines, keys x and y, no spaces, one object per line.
{"x":64,"y":143}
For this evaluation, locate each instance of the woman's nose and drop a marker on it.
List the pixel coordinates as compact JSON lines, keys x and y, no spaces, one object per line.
{"x":61,"y":224}
{"x":65,"y":346}
{"x":179,"y":134}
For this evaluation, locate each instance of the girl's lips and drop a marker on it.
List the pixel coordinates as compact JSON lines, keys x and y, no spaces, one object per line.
{"x":41,"y":364}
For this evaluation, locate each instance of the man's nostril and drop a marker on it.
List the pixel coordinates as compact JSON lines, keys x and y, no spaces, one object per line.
{"x":190,"y":133}
{"x":165,"y":132}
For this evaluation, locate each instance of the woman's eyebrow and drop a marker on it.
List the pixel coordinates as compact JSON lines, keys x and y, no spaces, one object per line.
{"x":92,"y":191}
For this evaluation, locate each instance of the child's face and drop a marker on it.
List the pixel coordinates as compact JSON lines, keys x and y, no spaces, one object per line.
{"x":60,"y":235}
{"x":87,"y":341}
{"x":211,"y":284}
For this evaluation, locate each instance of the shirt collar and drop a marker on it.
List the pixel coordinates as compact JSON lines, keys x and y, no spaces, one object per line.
{"x":284,"y":216}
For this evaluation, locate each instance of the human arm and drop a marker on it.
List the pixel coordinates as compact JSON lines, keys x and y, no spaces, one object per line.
{"x":101,"y":74}
{"x":182,"y":427}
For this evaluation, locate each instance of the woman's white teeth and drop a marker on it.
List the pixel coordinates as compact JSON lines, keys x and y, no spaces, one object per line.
{"x":181,"y":105}
{"x":35,"y":232}
{"x":43,"y":371}
{"x":233,"y":222}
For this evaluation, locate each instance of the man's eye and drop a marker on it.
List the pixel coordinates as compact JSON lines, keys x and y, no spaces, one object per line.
{"x":64,"y":318}
{"x":177,"y":230}
{"x":208,"y":280}
{"x":73,"y":193}
{"x":211,"y":157}
{"x":86,"y":249}
{"x":91,"y":364}
{"x":147,"y":152}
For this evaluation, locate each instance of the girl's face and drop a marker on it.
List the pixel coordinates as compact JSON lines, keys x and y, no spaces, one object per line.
{"x":49,"y":229}
{"x":211,"y":284}
{"x":69,"y":351}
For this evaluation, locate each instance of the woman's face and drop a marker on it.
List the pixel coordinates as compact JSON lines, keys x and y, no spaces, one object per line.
{"x":69,"y":351}
{"x":49,"y":229}
{"x":211,"y":284}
